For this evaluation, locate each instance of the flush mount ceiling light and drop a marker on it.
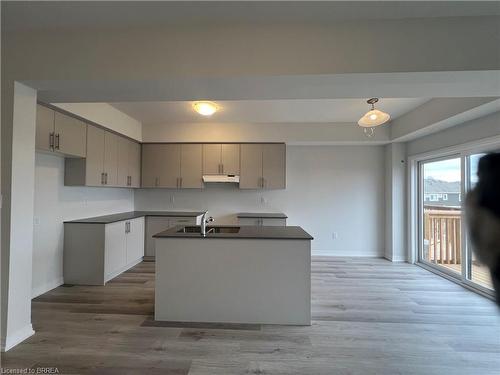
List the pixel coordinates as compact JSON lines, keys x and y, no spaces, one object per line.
{"x":205,"y":108}
{"x":373,"y":117}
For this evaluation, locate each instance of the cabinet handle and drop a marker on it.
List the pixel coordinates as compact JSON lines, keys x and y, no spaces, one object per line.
{"x":102,"y":178}
{"x":156,"y":181}
{"x":51,"y":141}
{"x":57,"y":141}
{"x":222,"y":168}
{"x":106,"y":178}
{"x":129,"y":181}
{"x":180,"y":182}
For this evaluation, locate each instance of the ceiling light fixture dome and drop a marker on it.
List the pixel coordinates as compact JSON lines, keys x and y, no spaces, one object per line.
{"x":373,"y":117}
{"x":205,"y":108}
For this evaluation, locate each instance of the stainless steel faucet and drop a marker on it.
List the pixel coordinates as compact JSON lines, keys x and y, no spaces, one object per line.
{"x":204,"y":222}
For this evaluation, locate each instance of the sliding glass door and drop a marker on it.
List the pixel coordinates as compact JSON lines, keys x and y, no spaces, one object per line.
{"x":441,"y":214}
{"x":443,"y":241}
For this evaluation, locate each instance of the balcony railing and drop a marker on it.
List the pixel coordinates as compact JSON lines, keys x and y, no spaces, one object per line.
{"x":442,"y":234}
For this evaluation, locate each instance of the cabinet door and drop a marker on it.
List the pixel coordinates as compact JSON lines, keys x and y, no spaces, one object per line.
{"x":135,"y":240}
{"x":151,"y":165}
{"x":111,"y":158}
{"x":251,"y":166}
{"x":230,"y":159}
{"x":191,"y":166}
{"x":94,"y":166}
{"x":274,"y":166}
{"x":277,"y":222}
{"x":134,"y":164}
{"x":70,"y":136}
{"x":212,"y":158}
{"x":44,"y":128}
{"x":254,"y":221}
{"x":170,"y":165}
{"x":115,"y":248}
{"x":122,"y":174}
{"x":154,"y":225}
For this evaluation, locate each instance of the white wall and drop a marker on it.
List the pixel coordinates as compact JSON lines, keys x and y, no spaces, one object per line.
{"x":107,"y":116}
{"x":55,"y":203}
{"x":329,"y":189}
{"x":19,"y":214}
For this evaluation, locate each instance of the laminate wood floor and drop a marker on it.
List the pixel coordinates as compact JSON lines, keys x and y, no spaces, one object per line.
{"x":370,"y":316}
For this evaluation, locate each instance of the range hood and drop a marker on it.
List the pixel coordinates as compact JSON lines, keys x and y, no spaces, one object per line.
{"x":221,"y":178}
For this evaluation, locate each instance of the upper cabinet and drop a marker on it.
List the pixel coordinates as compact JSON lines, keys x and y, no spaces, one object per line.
{"x":129,"y":163}
{"x":98,"y":157}
{"x":111,"y":161}
{"x":161,"y":164}
{"x":263,"y":166}
{"x":172,"y":165}
{"x":56,"y":132}
{"x":191,"y":166}
{"x":221,"y":158}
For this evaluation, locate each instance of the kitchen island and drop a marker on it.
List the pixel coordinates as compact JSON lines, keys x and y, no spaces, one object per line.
{"x":247,"y":274}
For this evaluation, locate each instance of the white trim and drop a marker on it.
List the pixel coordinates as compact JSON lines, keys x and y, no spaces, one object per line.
{"x":18,"y":337}
{"x":395,"y":259}
{"x":468,"y":147}
{"x":346,"y":253}
{"x":44,"y":288}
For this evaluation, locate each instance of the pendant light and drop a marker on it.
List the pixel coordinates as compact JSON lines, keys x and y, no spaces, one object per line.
{"x":373,"y":117}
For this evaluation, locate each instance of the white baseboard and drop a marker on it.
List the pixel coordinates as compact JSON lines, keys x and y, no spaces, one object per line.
{"x":346,"y":253}
{"x":17,"y":337}
{"x":44,"y":288}
{"x":396,"y":260}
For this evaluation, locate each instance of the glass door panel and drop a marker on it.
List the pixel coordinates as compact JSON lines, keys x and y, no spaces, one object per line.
{"x":441,"y":214}
{"x":476,"y":272}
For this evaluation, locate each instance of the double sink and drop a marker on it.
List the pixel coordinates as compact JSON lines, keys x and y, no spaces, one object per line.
{"x":197,"y":229}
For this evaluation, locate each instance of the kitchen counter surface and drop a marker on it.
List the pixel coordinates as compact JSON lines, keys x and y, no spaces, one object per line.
{"x":108,"y":219}
{"x":245,"y":232}
{"x":265,"y":215}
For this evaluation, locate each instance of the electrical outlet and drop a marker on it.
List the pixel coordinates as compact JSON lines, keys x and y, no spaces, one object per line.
{"x":335,"y":235}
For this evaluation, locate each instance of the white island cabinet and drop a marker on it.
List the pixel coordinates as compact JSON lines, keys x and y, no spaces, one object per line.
{"x":247,"y":274}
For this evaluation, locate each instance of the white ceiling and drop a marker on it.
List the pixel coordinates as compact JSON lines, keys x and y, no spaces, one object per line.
{"x":266,"y":111}
{"x":34,"y":15}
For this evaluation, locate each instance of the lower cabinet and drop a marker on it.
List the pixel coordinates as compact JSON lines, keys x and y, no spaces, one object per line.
{"x":258,"y":221}
{"x":157,"y":224}
{"x":96,"y":253}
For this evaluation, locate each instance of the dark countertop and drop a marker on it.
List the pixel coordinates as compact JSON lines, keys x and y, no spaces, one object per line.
{"x":246,"y":232}
{"x":269,"y":215}
{"x":108,"y":219}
